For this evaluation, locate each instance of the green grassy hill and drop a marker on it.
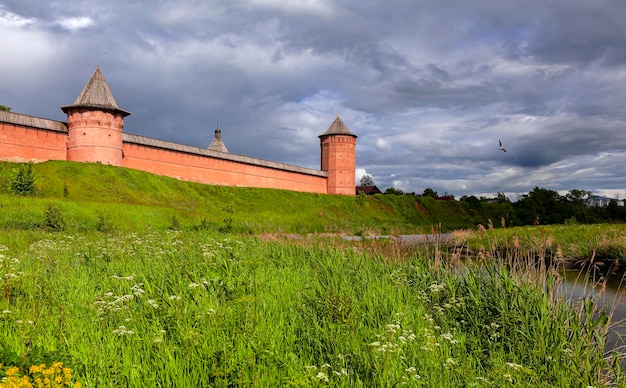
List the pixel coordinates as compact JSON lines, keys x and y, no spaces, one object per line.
{"x":101,"y":197}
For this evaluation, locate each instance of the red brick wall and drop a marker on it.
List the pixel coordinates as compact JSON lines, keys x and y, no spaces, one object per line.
{"x":21,"y":144}
{"x":208,"y":170}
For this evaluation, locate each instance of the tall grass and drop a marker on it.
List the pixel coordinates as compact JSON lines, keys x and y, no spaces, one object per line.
{"x":602,"y":244}
{"x":193,"y":308}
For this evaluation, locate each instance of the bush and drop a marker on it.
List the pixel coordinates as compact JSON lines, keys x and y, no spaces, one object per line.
{"x":104,"y":224}
{"x":24,"y":180}
{"x":53,"y":219}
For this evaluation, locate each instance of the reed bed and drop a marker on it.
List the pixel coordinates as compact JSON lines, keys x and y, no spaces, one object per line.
{"x":194,"y":308}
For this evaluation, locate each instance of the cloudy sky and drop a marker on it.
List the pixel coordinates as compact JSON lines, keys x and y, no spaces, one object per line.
{"x":429,"y":86}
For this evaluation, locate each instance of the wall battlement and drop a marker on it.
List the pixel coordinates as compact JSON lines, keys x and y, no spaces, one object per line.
{"x":94,"y":133}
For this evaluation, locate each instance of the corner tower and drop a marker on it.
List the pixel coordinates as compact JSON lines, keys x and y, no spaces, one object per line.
{"x":95,"y":124}
{"x":338,"y":147}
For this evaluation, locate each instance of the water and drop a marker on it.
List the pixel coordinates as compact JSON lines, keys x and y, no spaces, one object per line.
{"x":609,"y":296}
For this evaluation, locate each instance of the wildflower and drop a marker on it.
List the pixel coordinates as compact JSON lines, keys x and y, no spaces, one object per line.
{"x":152,"y":303}
{"x":121,"y":331}
{"x":321,"y":376}
{"x":450,"y":338}
{"x":450,"y":362}
{"x":514,"y":366}
{"x":435,"y":287}
{"x":174,"y":297}
{"x":392,"y":327}
{"x":137,"y":289}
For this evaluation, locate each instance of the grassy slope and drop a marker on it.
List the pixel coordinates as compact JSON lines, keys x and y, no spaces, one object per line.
{"x":90,"y":195}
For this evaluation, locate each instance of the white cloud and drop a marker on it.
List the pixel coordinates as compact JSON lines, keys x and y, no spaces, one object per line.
{"x":318,"y":7}
{"x":11,"y":20}
{"x":75,"y":23}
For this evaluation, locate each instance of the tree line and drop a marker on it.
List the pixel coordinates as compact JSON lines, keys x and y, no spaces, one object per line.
{"x":539,"y":206}
{"x":543,"y":207}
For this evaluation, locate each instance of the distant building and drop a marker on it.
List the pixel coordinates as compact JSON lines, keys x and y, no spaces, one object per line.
{"x":368,"y":190}
{"x":601,"y":201}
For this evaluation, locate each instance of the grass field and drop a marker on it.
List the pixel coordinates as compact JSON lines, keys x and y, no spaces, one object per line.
{"x":167,"y":308}
{"x":114,"y":277}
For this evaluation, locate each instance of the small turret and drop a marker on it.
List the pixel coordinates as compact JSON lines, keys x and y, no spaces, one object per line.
{"x":338,"y":147}
{"x":95,"y":124}
{"x":217,"y":144}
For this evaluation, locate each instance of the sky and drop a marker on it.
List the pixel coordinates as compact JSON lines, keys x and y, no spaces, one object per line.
{"x":430,"y":87}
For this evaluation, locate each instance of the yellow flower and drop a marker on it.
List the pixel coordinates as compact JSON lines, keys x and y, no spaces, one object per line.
{"x":12,"y":371}
{"x":37,"y":368}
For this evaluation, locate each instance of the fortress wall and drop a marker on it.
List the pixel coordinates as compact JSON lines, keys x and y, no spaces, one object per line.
{"x":217,"y":168}
{"x":26,"y":138}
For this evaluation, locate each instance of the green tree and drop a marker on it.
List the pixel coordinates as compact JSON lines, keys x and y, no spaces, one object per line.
{"x":394,"y":191}
{"x":5,"y":108}
{"x":24,"y":180}
{"x":367,"y":180}
{"x":541,"y":206}
{"x":53,"y":218}
{"x":576,"y":205}
{"x":428,"y":192}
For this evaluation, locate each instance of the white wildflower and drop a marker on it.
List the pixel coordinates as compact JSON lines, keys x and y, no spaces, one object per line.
{"x":121,"y":331}
{"x":322,"y":376}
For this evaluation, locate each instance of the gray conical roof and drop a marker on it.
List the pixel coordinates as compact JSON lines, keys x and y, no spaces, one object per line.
{"x":217,"y":144}
{"x":337,"y":128}
{"x":96,"y":94}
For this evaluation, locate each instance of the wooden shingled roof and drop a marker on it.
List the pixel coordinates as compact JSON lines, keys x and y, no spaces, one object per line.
{"x":96,"y":94}
{"x":337,"y":128}
{"x":217,"y":144}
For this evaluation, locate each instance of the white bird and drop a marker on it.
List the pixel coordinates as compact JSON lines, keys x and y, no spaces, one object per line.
{"x":501,"y":147}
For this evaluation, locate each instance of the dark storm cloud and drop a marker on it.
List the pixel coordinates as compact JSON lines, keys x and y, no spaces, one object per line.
{"x":429,"y":86}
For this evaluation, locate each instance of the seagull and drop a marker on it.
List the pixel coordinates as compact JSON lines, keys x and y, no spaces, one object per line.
{"x":501,"y":147}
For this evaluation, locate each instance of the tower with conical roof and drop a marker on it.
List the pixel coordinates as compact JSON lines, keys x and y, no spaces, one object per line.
{"x":217,"y":144}
{"x":95,"y":124}
{"x":338,"y":146}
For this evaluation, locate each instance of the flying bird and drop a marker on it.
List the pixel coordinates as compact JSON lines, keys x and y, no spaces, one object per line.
{"x":501,"y":147}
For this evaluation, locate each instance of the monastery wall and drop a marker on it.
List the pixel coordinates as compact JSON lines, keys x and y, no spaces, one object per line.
{"x":217,"y":168}
{"x":94,"y":133}
{"x":27,"y":138}
{"x":32,"y":139}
